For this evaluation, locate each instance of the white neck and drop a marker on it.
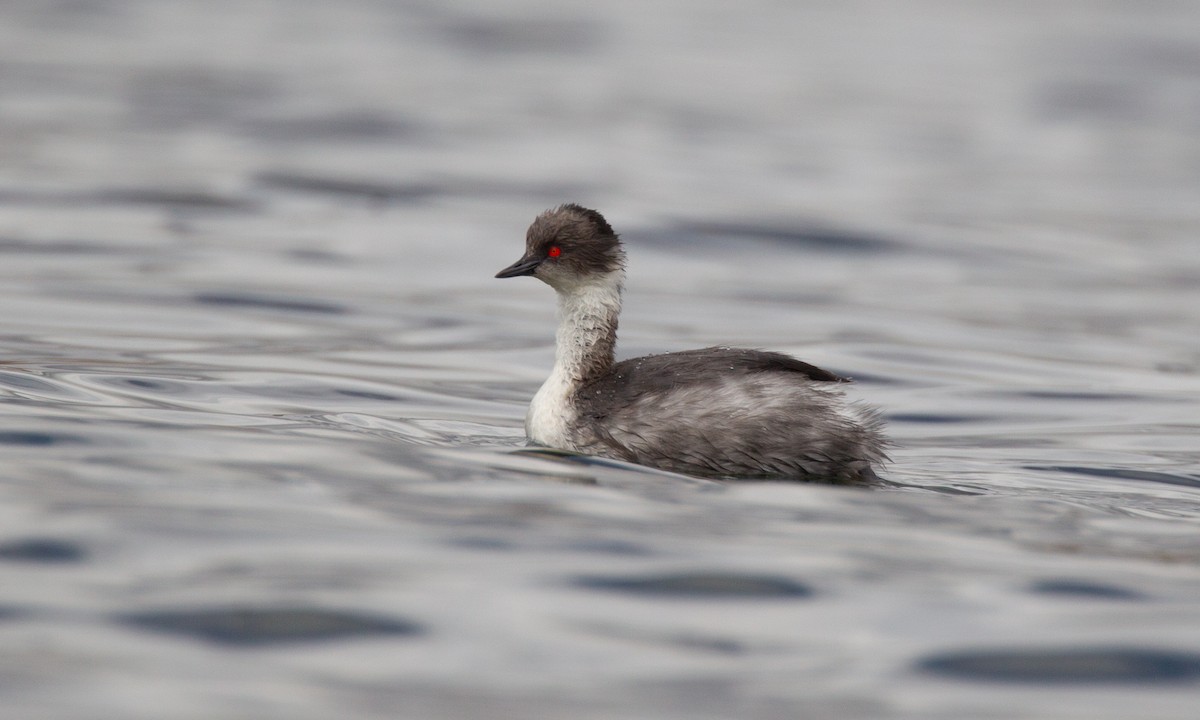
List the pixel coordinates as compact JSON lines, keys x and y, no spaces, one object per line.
{"x":587,"y":327}
{"x":586,"y":338}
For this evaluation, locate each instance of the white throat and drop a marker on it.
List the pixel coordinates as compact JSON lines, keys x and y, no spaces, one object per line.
{"x":584,"y":343}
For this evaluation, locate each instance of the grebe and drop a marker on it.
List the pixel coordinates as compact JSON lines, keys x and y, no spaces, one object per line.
{"x":716,"y":412}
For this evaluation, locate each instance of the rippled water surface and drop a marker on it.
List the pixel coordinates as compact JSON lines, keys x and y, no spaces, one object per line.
{"x":262,"y":399}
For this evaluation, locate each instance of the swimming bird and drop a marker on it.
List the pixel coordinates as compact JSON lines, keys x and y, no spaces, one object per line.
{"x":715,"y":412}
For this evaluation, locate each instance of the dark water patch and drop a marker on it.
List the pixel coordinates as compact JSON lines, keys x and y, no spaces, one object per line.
{"x":1084,"y":589}
{"x":313,"y":391}
{"x":1160,"y":57}
{"x":1050,"y":666}
{"x":366,"y":395}
{"x":34,"y":438}
{"x":935,"y":418}
{"x":801,"y":237}
{"x":542,"y":194}
{"x":700,"y":585}
{"x":41,"y":550}
{"x":170,"y":199}
{"x":264,"y":302}
{"x":147,"y":384}
{"x":483,"y":543}
{"x":610,"y":547}
{"x":342,"y":187}
{"x":1094,"y":100}
{"x":16,"y":246}
{"x":708,"y":644}
{"x":323,"y":257}
{"x":539,"y":35}
{"x":269,"y":626}
{"x":1079,"y":395}
{"x":173,"y":199}
{"x":334,"y":127}
{"x":685,"y":641}
{"x":1121,"y":474}
{"x":157,"y":386}
{"x":1179,"y":367}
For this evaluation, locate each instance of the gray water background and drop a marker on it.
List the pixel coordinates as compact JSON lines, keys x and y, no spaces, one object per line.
{"x":261,"y":394}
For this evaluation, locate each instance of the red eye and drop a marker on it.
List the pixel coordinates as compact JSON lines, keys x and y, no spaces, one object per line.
{"x":554,"y":251}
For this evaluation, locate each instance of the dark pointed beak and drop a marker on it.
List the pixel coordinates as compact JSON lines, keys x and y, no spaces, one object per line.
{"x":525,"y":266}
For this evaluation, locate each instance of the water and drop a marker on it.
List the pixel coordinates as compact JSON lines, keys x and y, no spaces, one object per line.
{"x":262,"y":401}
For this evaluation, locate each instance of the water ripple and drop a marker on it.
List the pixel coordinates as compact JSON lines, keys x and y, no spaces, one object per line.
{"x":1067,"y":666}
{"x":264,"y":302}
{"x":1124,"y":474}
{"x":36,"y":438}
{"x":700,"y":585}
{"x":42,"y":550}
{"x":259,"y":626}
{"x":1084,"y":589}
